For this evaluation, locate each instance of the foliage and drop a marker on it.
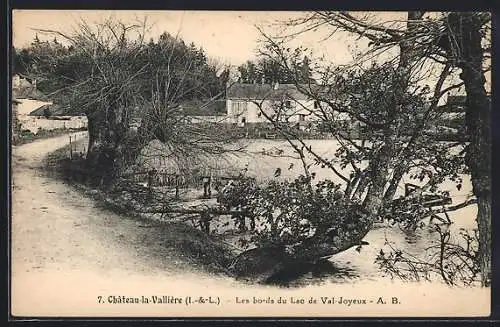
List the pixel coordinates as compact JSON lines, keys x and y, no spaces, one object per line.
{"x":392,"y":92}
{"x":57,"y":65}
{"x":288,"y":213}
{"x":238,"y":193}
{"x":269,"y":70}
{"x":385,"y":115}
{"x":108,"y":72}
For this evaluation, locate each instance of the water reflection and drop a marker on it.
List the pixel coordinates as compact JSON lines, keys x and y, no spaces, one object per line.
{"x":411,"y":236}
{"x":352,"y":266}
{"x":301,"y":274}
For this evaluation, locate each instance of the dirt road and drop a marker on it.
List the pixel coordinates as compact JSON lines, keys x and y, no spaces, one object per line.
{"x":62,"y":242}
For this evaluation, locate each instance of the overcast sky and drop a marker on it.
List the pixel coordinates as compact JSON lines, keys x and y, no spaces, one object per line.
{"x":229,"y":35}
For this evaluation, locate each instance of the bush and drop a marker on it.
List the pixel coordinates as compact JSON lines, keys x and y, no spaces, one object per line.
{"x":287,"y":213}
{"x":26,"y":133}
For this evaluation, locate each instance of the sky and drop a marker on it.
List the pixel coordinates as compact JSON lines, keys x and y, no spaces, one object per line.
{"x":227,"y":35}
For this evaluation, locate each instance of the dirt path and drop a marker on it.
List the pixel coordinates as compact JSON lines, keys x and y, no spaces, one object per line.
{"x":61,"y":238}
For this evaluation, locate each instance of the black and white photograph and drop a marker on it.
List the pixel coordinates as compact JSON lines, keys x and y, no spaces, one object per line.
{"x":182,"y":163}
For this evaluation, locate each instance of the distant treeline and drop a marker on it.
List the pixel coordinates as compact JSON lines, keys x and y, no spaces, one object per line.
{"x":57,"y":67}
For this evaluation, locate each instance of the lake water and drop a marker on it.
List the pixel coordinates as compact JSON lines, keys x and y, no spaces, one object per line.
{"x":262,"y":158}
{"x":351,"y":265}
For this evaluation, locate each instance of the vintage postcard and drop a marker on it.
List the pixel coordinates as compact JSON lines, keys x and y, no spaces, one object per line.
{"x":250,"y":164}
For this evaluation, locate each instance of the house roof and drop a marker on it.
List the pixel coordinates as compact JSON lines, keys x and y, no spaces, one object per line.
{"x":204,"y":108}
{"x":264,"y":92}
{"x":27,"y":106}
{"x":23,"y":88}
{"x":19,"y":82}
{"x":55,"y":110}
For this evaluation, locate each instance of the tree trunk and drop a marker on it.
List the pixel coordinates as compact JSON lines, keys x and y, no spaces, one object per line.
{"x":479,"y":162}
{"x":256,"y":263}
{"x":467,"y":26}
{"x":103,"y":154}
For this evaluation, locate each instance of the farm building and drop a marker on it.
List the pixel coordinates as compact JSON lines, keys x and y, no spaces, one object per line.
{"x":31,"y":112}
{"x":244,"y":103}
{"x":209,"y":111}
{"x":251,"y":103}
{"x":34,"y":115}
{"x":22,"y":88}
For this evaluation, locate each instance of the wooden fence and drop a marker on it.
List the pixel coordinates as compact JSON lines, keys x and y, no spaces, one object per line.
{"x":176,"y":180}
{"x":165,"y":179}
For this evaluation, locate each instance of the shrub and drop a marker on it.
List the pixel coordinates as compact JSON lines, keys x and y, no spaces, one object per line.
{"x":289,"y":212}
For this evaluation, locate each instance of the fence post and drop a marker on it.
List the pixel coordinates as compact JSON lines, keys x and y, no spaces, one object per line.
{"x":150,"y":180}
{"x":205,"y":222}
{"x":206,"y":186}
{"x":176,"y":186}
{"x":70,"y":149}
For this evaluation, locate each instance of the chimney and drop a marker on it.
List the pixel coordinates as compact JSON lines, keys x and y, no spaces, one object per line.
{"x":263,"y":80}
{"x":276,"y":85}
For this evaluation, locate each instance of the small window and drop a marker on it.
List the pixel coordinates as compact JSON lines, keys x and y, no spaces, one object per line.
{"x":288,"y":104}
{"x":243,"y":120}
{"x":302,"y":117}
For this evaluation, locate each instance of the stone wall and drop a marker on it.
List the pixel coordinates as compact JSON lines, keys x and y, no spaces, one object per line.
{"x":34,"y":123}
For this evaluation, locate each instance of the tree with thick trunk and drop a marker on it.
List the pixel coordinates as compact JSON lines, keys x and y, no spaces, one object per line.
{"x":398,"y":134}
{"x":109,"y":73}
{"x":465,"y":48}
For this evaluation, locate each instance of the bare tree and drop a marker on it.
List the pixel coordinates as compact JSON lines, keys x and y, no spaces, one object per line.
{"x":119,"y":80}
{"x":396,"y":110}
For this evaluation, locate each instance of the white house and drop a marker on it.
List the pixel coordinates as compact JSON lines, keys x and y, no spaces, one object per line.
{"x":251,"y":103}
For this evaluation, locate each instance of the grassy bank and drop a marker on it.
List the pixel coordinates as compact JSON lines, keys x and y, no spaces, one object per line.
{"x":189,"y":244}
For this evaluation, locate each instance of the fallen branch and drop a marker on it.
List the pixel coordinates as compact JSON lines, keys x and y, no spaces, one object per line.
{"x":213,"y":211}
{"x":455,"y":207}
